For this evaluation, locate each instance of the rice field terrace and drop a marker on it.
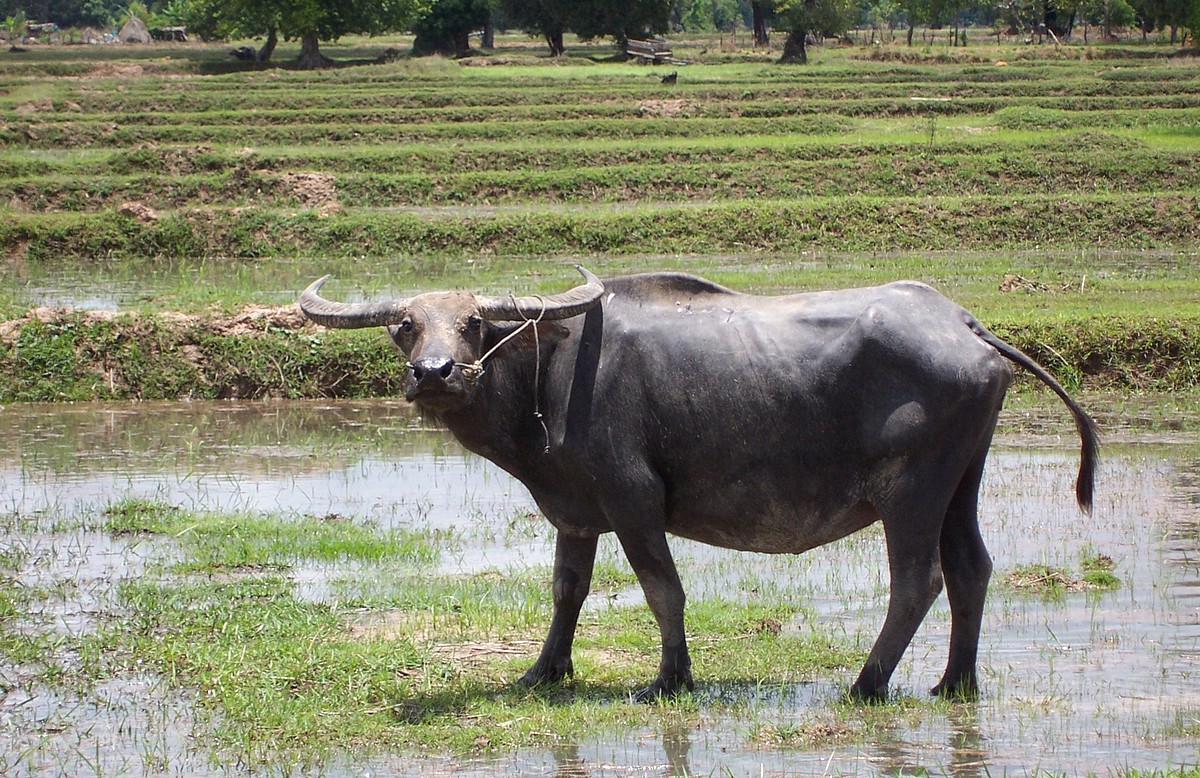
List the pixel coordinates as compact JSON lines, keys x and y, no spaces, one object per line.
{"x":318,"y":583}
{"x":1048,"y":189}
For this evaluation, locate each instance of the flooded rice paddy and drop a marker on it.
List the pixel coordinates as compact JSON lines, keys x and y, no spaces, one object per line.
{"x":1081,"y":683}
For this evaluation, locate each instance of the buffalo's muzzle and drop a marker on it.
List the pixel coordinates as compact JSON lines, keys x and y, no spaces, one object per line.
{"x":432,"y":371}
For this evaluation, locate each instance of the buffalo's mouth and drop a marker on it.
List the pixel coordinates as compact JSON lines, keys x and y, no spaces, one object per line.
{"x":438,"y":386}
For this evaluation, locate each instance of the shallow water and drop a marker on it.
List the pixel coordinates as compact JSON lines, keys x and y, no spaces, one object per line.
{"x":1087,"y":683}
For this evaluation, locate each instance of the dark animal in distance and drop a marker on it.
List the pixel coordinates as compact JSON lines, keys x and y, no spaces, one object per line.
{"x":244,"y":53}
{"x":664,"y":403}
{"x":671,"y":77}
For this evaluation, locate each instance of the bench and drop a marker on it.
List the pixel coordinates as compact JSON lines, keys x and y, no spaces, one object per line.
{"x":655,"y":51}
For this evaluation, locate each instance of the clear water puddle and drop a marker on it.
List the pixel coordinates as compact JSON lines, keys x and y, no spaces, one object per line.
{"x":1088,"y":683}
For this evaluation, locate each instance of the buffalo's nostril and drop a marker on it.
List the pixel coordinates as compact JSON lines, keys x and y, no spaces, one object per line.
{"x":432,"y":367}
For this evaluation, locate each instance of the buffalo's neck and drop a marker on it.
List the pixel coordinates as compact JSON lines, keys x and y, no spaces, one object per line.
{"x":502,"y":423}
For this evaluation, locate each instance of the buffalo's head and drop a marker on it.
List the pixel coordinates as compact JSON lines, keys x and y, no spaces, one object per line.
{"x":448,"y":336}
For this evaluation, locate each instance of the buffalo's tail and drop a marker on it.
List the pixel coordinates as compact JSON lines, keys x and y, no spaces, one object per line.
{"x":1089,"y":454}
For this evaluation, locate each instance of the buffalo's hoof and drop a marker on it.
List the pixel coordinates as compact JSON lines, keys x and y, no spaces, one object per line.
{"x":663,"y":689}
{"x":861,"y":694}
{"x":546,"y":674}
{"x":964,"y":690}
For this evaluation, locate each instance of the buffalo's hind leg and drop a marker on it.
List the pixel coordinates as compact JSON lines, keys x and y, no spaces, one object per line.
{"x":967,"y":567}
{"x":574,"y":558}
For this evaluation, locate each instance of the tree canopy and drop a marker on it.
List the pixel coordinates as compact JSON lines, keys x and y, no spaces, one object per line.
{"x":589,"y":19}
{"x":309,"y":21}
{"x":801,"y":18}
{"x":446,"y":26}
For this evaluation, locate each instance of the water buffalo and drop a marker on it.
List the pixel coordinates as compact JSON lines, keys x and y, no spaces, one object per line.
{"x":665,"y":403}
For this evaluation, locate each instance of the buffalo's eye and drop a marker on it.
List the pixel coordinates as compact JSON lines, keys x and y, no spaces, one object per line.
{"x":474,"y":323}
{"x":407,"y":324}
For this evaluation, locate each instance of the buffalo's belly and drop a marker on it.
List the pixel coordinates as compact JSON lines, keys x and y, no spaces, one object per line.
{"x":753,"y":521}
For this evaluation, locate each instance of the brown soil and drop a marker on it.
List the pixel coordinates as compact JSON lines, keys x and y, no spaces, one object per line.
{"x":140,"y":211}
{"x":251,"y":320}
{"x":665,"y":108}
{"x":315,"y":190}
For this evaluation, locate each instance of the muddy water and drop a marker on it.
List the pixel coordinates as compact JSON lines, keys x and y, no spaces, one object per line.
{"x":1086,"y":683}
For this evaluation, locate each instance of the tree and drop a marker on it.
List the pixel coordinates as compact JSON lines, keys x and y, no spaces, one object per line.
{"x":447,"y":27}
{"x":589,"y":19}
{"x":14,"y":25}
{"x":1016,"y":16}
{"x":881,"y":15}
{"x":761,"y":12}
{"x":544,"y":18}
{"x":705,"y":15}
{"x":1175,"y":14}
{"x":1108,"y":14}
{"x":915,"y":12}
{"x":310,"y":21}
{"x":803,"y":17}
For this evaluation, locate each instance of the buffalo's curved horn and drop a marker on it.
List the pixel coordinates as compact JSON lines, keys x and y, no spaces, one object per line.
{"x":564,"y":305}
{"x":349,"y":315}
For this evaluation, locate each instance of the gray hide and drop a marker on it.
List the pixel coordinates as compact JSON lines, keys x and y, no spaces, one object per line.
{"x":672,"y":405}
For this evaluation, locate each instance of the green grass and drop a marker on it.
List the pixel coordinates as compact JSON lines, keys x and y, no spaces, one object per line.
{"x":1051,"y":582}
{"x":252,"y":542}
{"x":1066,"y":220}
{"x":409,"y":659}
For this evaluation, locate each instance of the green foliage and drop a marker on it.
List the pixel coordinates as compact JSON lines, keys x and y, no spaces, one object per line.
{"x":591,"y":19}
{"x":1109,"y":14}
{"x":708,"y":15}
{"x":445,"y":28}
{"x":1096,"y":575}
{"x":80,"y":358}
{"x":14,"y":25}
{"x":248,"y":541}
{"x":820,"y":18}
{"x":323,"y":20}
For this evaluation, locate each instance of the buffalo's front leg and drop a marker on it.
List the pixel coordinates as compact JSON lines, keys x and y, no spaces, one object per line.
{"x":650,"y":558}
{"x":574,"y":557}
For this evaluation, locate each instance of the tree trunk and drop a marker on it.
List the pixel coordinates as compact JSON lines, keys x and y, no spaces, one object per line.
{"x":554,"y":39}
{"x":268,"y":47}
{"x":489,"y":34}
{"x":762,"y":38}
{"x":462,"y":43}
{"x":311,"y":57}
{"x":910,"y":32}
{"x":793,"y":49}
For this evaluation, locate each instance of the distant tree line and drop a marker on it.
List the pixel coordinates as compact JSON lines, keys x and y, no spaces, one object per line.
{"x":445,"y":26}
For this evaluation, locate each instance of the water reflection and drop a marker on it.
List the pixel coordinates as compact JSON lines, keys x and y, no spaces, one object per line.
{"x":1082,"y":684}
{"x":963,"y":755}
{"x":570,"y":761}
{"x":375,"y":460}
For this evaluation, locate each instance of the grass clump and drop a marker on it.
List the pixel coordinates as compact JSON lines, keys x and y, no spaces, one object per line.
{"x":1095,"y":575}
{"x":247,"y":541}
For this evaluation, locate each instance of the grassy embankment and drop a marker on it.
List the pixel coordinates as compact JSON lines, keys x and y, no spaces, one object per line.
{"x":1070,"y":171}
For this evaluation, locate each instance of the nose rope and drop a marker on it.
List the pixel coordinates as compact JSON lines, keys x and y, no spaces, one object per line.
{"x":473,"y":371}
